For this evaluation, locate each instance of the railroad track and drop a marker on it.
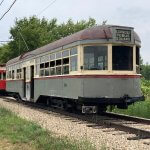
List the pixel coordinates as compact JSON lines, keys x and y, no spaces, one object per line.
{"x":140,"y":127}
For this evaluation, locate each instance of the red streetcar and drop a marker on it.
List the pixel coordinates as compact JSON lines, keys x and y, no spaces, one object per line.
{"x":2,"y":79}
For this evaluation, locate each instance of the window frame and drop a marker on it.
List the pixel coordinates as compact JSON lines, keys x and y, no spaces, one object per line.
{"x":96,"y":44}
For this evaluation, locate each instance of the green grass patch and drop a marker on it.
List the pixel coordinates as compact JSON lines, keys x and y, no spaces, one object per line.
{"x":146,"y":88}
{"x":18,"y":130}
{"x":139,"y":109}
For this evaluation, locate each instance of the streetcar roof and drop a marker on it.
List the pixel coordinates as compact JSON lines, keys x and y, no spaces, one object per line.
{"x":103,"y":32}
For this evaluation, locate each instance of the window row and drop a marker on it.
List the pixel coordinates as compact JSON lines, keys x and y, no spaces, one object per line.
{"x":55,"y":71}
{"x":11,"y":74}
{"x":58,"y":67}
{"x":58,"y":55}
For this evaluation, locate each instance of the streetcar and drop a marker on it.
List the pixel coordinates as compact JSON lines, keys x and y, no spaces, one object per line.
{"x":86,"y":71}
{"x":2,"y":79}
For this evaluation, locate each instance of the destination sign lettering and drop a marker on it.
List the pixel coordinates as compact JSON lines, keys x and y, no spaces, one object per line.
{"x":123,"y":35}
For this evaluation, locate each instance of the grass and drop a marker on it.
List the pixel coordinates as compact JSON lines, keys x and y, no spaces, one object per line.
{"x":139,"y":109}
{"x":19,"y":131}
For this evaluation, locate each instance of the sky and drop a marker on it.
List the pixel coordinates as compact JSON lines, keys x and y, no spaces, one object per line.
{"x":134,"y":13}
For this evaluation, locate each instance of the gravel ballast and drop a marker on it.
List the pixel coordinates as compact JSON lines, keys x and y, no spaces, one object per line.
{"x":76,"y":129}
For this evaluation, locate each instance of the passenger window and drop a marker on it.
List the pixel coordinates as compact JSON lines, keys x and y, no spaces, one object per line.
{"x":58,"y":70}
{"x":41,"y":72}
{"x":65,"y":61}
{"x":46,"y":72}
{"x":0,"y":76}
{"x":37,"y":69}
{"x":65,"y":69}
{"x":65,"y":53}
{"x":13,"y":74}
{"x":19,"y":72}
{"x":52,"y":71}
{"x":58,"y":62}
{"x":41,"y":66}
{"x":10,"y":75}
{"x":52,"y":56}
{"x":73,"y":63}
{"x":52,"y":64}
{"x":58,"y":55}
{"x":47,"y":65}
{"x":73,"y":51}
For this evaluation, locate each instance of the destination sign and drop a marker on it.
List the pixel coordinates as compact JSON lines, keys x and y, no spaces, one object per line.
{"x":123,"y":35}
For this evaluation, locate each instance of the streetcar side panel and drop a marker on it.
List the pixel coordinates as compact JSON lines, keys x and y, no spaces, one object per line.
{"x":70,"y":88}
{"x":15,"y":86}
{"x":111,"y":87}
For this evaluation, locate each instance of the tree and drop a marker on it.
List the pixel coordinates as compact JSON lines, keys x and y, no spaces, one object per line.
{"x":5,"y":53}
{"x":146,"y":71}
{"x":29,"y":34}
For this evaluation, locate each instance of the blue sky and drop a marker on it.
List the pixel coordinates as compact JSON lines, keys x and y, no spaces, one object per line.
{"x":133,"y":13}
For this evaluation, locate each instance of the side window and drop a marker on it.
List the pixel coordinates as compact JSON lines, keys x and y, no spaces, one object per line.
{"x":52,"y":64}
{"x":73,"y":59}
{"x":73,"y":63}
{"x":13,"y":74}
{"x":19,"y":74}
{"x":65,"y":62}
{"x":9,"y":74}
{"x":37,"y":68}
{"x":4,"y":76}
{"x":42,"y":69}
{"x":47,"y":69}
{"x":137,"y":55}
{"x":60,"y":63}
{"x":0,"y":76}
{"x":137,"y":60}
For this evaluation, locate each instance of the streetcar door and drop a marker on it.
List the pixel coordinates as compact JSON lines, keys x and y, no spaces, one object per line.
{"x":32,"y":83}
{"x":24,"y":82}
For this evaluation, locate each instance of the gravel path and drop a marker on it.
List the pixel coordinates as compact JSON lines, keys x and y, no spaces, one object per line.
{"x":75,"y":129}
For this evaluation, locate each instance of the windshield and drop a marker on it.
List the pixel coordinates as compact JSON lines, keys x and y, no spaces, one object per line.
{"x":95,"y":58}
{"x":122,"y":58}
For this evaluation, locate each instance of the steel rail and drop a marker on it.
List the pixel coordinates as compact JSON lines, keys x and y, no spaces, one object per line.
{"x":128,"y":118}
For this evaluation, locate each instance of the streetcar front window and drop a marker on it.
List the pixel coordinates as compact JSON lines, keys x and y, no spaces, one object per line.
{"x":137,"y":56}
{"x":122,"y":58}
{"x":137,"y":60}
{"x":95,"y":58}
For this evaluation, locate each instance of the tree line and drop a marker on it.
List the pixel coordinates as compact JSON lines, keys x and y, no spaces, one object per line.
{"x":28,"y":34}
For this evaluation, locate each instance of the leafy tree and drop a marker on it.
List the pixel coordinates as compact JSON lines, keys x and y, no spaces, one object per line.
{"x":30,"y":33}
{"x":146,"y":71}
{"x":5,"y":53}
